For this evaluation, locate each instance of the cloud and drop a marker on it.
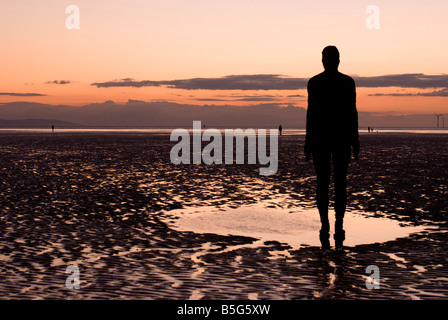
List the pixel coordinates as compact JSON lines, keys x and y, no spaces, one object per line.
{"x":257,"y":98}
{"x":232,"y":82}
{"x":409,"y":80}
{"x":435,"y":93}
{"x":58,"y":82}
{"x":280,"y":82}
{"x":211,"y":99}
{"x":233,"y":97}
{"x":240,"y":82}
{"x":17,"y":94}
{"x":127,"y":82}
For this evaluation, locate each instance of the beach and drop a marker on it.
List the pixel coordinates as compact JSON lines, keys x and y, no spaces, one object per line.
{"x":107,"y":202}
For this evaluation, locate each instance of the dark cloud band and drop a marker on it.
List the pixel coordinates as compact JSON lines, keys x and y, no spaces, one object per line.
{"x":58,"y":82}
{"x":279,"y":82}
{"x":233,"y":82}
{"x":435,"y":93}
{"x":413,"y":80}
{"x":16,"y":94}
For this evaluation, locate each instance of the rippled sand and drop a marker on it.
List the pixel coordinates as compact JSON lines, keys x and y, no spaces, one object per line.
{"x":104,"y":202}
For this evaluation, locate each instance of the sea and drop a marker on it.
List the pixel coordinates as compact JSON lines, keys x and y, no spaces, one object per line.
{"x":158,"y":130}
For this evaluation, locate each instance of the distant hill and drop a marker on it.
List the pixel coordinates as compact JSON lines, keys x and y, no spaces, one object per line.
{"x":36,"y":123}
{"x":168,"y":114}
{"x":162,"y":114}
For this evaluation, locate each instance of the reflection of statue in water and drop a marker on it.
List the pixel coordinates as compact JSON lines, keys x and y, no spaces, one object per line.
{"x":331,"y":132}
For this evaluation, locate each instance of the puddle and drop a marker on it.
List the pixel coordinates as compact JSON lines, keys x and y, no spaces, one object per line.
{"x":296,"y":227}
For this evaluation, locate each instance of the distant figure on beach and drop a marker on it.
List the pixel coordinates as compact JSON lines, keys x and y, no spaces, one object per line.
{"x":280,"y":129}
{"x":368,"y":128}
{"x":331,"y":133}
{"x":52,"y":128}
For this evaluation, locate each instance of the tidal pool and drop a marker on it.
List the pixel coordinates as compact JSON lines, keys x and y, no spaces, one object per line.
{"x":296,"y":227}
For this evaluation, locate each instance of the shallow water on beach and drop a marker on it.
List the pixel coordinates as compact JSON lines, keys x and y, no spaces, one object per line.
{"x":295,"y":227}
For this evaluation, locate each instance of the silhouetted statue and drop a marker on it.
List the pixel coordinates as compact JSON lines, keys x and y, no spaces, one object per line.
{"x":52,"y":128}
{"x":331,"y":132}
{"x":280,"y":128}
{"x":368,"y":129}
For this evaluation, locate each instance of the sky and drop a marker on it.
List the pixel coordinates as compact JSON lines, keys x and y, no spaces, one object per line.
{"x":233,"y":52}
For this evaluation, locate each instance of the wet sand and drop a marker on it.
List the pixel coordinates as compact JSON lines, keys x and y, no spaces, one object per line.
{"x":105,"y":203}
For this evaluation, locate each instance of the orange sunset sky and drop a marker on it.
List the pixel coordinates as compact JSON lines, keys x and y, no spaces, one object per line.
{"x":163,"y":41}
